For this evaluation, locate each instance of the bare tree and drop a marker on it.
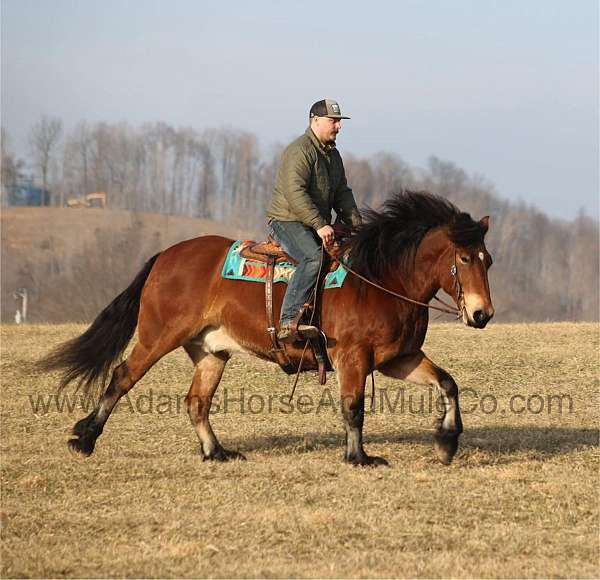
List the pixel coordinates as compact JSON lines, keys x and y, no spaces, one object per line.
{"x":44,"y":138}
{"x":11,"y":166}
{"x":584,"y":270}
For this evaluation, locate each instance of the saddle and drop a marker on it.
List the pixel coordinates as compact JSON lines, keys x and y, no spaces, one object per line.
{"x":270,"y":248}
{"x":263,"y":251}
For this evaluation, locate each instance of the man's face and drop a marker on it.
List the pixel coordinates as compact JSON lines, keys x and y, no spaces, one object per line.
{"x":326,"y":128}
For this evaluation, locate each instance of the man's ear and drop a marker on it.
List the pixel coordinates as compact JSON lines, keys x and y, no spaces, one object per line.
{"x":484,"y":222}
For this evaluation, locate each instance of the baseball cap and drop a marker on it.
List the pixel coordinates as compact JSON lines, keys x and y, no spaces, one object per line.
{"x":326,"y":108}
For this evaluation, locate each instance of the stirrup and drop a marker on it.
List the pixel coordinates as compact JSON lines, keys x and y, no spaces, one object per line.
{"x":308,"y":331}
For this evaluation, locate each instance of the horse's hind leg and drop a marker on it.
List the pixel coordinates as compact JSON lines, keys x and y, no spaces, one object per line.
{"x":419,"y":369}
{"x":208,"y":373}
{"x":124,"y":377}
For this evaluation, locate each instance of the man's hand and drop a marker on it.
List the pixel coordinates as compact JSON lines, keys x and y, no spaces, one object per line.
{"x":327,"y":234}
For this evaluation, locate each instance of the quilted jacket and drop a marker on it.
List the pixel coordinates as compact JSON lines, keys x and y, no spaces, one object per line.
{"x":311,"y":181}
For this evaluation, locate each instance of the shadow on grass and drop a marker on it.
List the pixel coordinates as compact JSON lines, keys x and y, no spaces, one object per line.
{"x":503,"y":440}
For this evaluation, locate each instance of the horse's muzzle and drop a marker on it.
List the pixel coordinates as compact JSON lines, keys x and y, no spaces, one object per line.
{"x":479,"y":318}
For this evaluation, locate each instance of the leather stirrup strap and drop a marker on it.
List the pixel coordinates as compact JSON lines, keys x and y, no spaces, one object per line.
{"x":276,"y":347}
{"x":269,"y":300}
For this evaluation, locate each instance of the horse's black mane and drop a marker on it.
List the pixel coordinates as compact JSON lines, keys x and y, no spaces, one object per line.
{"x":389,"y":238}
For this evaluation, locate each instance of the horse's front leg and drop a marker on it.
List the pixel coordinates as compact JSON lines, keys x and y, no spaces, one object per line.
{"x":352,"y":373}
{"x":419,"y":369}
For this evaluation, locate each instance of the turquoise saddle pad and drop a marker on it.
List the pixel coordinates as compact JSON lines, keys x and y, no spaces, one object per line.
{"x":236,"y":267}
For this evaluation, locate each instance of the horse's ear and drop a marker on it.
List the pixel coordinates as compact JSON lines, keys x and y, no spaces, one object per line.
{"x":484,"y":222}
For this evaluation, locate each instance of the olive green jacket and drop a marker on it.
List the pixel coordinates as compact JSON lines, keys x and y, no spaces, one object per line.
{"x":311,"y":181}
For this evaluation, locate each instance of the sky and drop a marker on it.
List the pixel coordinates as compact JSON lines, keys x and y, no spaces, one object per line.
{"x":505,"y":89}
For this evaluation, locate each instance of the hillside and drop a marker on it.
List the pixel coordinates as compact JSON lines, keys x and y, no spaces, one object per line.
{"x":73,"y":262}
{"x":43,"y":248}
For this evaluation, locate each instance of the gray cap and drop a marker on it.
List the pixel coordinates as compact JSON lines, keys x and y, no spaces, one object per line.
{"x":326,"y":108}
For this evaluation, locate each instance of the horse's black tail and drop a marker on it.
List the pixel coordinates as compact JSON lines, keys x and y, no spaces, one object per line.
{"x":89,"y":358}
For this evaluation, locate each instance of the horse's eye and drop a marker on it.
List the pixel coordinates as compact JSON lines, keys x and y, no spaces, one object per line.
{"x":465,"y":259}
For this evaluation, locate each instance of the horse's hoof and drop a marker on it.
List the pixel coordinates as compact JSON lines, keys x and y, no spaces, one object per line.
{"x":82,"y":445}
{"x":367,"y":461}
{"x":223,"y":455}
{"x":84,"y":426}
{"x":445,"y":446}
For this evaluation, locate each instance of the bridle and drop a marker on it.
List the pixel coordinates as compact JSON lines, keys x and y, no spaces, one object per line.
{"x":457,"y":286}
{"x":449,"y":308}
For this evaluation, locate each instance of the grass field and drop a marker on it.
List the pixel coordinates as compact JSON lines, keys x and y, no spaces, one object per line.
{"x":520,"y":499}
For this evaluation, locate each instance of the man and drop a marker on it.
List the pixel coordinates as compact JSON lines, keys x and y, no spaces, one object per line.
{"x":310,"y":183}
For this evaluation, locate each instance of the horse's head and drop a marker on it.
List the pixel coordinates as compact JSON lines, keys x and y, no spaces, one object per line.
{"x":466,"y":265}
{"x":418,"y":242}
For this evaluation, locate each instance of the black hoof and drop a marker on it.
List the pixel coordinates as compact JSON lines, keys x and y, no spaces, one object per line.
{"x":366,"y":460}
{"x":84,"y":426}
{"x":86,"y":432}
{"x":82,"y":445}
{"x":221,"y":454}
{"x":446,"y":446}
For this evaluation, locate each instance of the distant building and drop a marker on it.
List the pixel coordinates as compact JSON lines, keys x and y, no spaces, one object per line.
{"x":24,"y":192}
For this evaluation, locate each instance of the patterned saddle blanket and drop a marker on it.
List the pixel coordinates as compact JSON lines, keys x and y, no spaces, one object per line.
{"x":239,"y":267}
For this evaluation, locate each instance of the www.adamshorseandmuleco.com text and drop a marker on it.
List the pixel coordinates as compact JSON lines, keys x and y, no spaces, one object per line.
{"x":395,"y":401}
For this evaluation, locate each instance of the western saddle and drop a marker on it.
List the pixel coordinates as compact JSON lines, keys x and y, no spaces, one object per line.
{"x":263,"y":251}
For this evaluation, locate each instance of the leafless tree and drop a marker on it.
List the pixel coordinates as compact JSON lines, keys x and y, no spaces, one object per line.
{"x":11,"y":167}
{"x":44,"y":138}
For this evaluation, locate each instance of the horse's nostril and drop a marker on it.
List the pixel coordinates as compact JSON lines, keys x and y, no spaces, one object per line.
{"x":479,"y":316}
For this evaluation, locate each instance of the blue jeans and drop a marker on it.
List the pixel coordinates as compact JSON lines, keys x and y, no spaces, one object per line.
{"x":300,"y":242}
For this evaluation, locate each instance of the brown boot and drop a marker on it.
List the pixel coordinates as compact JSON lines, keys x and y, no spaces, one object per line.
{"x":305,"y":331}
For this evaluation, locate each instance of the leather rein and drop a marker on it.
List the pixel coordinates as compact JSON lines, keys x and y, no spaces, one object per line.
{"x":449,"y":309}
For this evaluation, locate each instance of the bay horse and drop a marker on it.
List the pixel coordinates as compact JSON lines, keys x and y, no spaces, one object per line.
{"x":415,"y":245}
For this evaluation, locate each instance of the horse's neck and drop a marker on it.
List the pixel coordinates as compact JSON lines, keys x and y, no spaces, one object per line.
{"x":425,"y":280}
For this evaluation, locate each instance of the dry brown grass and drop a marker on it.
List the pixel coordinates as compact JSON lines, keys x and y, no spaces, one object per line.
{"x":521,"y":498}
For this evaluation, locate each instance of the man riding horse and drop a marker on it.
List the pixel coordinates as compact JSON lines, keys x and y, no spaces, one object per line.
{"x":311,"y":181}
{"x":401,"y":256}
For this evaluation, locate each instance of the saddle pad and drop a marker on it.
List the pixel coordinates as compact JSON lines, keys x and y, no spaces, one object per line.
{"x":236,"y":267}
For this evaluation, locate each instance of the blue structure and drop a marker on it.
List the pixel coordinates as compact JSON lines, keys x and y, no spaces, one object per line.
{"x":25,"y":193}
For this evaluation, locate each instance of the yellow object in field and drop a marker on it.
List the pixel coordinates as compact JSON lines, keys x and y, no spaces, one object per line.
{"x":96,"y":199}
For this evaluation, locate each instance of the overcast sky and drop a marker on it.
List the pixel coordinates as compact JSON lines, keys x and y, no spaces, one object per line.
{"x":506,"y":89}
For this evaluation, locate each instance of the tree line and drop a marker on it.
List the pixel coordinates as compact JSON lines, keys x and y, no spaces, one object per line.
{"x":543,"y":268}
